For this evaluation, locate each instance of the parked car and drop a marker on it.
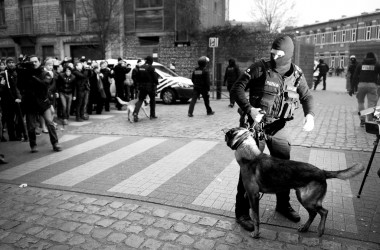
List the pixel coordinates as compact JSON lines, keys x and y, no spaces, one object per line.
{"x":171,"y":87}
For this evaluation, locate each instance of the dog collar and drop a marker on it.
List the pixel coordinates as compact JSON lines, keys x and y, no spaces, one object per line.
{"x":241,"y":139}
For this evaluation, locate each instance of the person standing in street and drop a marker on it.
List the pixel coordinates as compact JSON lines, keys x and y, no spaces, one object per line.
{"x":201,"y":80}
{"x":350,"y":74}
{"x":67,"y":92}
{"x":82,"y":89}
{"x":148,"y":81}
{"x":119,"y":74}
{"x":365,"y":79}
{"x":276,"y":86}
{"x":230,"y":76}
{"x":37,"y":102}
{"x":106,"y":72}
{"x":323,"y":69}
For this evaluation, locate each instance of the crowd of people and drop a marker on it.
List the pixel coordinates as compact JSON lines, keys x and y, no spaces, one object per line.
{"x":36,"y":96}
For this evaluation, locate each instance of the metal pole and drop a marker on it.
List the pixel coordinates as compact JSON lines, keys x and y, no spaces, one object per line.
{"x":369,"y":164}
{"x":213,"y":72}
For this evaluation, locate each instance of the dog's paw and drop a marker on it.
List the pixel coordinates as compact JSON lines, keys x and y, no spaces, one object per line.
{"x":255,"y":235}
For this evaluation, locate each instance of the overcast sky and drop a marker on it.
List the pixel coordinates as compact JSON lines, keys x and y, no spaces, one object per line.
{"x":310,"y":10}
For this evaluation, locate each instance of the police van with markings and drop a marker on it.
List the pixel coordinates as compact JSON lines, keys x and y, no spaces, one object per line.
{"x":171,"y":87}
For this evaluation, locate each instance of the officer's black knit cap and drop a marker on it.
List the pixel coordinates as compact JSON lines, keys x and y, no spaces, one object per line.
{"x":149,"y":60}
{"x":370,"y":55}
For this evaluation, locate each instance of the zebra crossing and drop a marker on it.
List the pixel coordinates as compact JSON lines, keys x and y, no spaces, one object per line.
{"x":201,"y":173}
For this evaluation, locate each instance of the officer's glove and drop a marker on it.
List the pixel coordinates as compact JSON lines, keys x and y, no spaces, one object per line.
{"x":351,"y":92}
{"x":257,"y":114}
{"x":308,"y":124}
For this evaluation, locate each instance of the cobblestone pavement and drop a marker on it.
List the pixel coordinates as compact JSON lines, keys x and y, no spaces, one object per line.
{"x":34,"y":218}
{"x":85,"y":197}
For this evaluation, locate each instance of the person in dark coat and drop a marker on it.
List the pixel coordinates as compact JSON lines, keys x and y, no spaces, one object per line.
{"x":119,"y":72}
{"x":350,"y":75}
{"x":98,"y":94}
{"x":106,"y":73}
{"x":230,"y":76}
{"x":323,"y":69}
{"x":267,"y":81}
{"x":10,"y":100}
{"x":148,"y":82}
{"x":82,"y":90}
{"x":201,"y":80}
{"x":37,"y":102}
{"x":67,"y":92}
{"x":365,"y":79}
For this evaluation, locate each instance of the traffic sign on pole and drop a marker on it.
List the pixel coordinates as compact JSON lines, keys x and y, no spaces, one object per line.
{"x":213,"y":42}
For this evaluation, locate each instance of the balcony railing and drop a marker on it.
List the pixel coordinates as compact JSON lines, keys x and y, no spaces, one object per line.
{"x":68,"y":26}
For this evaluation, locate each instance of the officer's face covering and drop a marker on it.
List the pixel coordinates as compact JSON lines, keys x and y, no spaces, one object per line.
{"x":281,"y":54}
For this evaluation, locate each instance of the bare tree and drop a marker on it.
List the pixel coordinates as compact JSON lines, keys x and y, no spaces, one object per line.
{"x":103,"y":17}
{"x":274,"y":14}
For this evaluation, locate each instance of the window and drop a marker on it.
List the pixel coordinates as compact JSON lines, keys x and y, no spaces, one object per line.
{"x":315,"y":39}
{"x":148,"y":4}
{"x":67,"y":22}
{"x":8,"y":52}
{"x":378,"y":32}
{"x":353,"y":35}
{"x":323,"y":38}
{"x":368,"y":33}
{"x":343,"y":36}
{"x":2,"y":13}
{"x":334,"y":37}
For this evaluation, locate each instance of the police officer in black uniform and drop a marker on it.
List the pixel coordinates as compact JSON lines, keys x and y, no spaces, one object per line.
{"x":230,"y":76}
{"x":148,"y":81}
{"x":201,"y":81}
{"x":365,"y":80}
{"x":276,"y":86}
{"x":323,"y":69}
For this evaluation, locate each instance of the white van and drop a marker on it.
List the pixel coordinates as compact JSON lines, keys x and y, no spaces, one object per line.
{"x":171,"y":87}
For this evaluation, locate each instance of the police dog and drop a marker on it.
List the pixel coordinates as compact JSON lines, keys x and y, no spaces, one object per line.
{"x":262,"y":173}
{"x":131,"y":106}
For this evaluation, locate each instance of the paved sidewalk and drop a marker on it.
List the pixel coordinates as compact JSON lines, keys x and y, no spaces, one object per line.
{"x":34,"y":218}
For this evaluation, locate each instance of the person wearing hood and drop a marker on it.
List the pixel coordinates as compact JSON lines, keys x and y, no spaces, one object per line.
{"x":230,"y":76}
{"x":323,"y":69}
{"x":276,"y":87}
{"x":365,"y":79}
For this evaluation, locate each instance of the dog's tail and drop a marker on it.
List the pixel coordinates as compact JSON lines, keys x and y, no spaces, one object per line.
{"x":121,"y":101}
{"x":352,"y":171}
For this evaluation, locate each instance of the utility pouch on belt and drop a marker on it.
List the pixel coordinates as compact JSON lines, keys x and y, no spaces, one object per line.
{"x":289,"y":104}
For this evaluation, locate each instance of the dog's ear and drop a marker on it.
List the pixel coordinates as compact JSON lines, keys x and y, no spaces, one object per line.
{"x":225,"y":130}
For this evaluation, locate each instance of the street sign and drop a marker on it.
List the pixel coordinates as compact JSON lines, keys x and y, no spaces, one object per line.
{"x":213,"y":42}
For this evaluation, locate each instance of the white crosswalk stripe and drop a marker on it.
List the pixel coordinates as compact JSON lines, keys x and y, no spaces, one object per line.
{"x":221,"y":192}
{"x":34,"y":165}
{"x":96,"y":166}
{"x":153,"y":176}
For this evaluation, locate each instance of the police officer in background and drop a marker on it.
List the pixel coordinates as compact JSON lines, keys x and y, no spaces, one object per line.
{"x":323,"y":69}
{"x":350,"y":75}
{"x":201,"y":81}
{"x":275,"y":88}
{"x":230,"y":76}
{"x":365,"y":79}
{"x":148,"y":81}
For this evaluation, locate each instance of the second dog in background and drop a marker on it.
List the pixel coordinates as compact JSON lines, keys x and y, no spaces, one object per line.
{"x":131,"y":107}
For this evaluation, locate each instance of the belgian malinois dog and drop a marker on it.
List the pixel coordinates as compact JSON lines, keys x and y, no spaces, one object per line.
{"x":262,"y":173}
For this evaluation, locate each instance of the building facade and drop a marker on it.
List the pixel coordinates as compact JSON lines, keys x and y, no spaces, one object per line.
{"x":336,"y":40}
{"x":59,"y":28}
{"x":47,"y":28}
